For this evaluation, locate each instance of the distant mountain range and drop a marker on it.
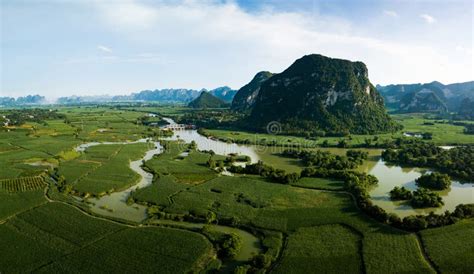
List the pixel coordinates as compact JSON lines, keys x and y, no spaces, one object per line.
{"x":163,"y":95}
{"x":27,"y":100}
{"x":431,"y":97}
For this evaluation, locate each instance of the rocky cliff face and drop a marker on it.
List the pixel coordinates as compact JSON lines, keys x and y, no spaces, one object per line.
{"x":321,"y":93}
{"x":245,"y":97}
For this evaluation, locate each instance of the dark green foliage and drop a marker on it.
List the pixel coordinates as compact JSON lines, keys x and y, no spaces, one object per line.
{"x":317,"y":92}
{"x":227,"y":245}
{"x":424,"y":198}
{"x":277,"y":175}
{"x":469,"y":128}
{"x":38,"y":115}
{"x":400,"y":193}
{"x":435,"y":180}
{"x":327,"y":160}
{"x":456,"y":162}
{"x":207,"y":100}
{"x":451,"y":247}
{"x":466,"y":110}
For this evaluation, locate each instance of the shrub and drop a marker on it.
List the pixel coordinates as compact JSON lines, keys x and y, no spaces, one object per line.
{"x":434,"y":180}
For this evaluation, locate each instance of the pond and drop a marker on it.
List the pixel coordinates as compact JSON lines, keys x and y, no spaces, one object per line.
{"x":388,"y":175}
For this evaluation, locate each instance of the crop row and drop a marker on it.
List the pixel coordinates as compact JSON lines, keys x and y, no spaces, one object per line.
{"x":22,"y":184}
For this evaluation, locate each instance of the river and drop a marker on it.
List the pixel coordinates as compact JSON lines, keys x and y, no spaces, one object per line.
{"x":115,"y":204}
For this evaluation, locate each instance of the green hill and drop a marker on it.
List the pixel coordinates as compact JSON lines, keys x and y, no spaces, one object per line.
{"x":318,"y":93}
{"x":207,"y":100}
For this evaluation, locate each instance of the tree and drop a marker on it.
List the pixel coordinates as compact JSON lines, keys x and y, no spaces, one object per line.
{"x":423,"y":197}
{"x":400,"y":193}
{"x":434,"y":180}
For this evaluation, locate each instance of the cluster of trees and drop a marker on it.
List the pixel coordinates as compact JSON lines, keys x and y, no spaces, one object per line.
{"x":60,"y":181}
{"x":456,"y":161}
{"x":327,"y":160}
{"x":38,"y":115}
{"x":227,"y":245}
{"x":434,"y":180}
{"x":423,"y":197}
{"x":259,"y":168}
{"x":420,"y":222}
{"x":419,"y":198}
{"x":400,"y":194}
{"x":359,"y":184}
{"x":227,"y":162}
{"x":469,"y":129}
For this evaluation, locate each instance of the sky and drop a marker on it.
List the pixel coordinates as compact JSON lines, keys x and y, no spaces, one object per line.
{"x":93,"y":47}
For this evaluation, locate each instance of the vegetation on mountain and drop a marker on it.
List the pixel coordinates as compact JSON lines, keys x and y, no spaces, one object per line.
{"x":422,"y":101}
{"x":319,"y":93}
{"x":466,"y":109}
{"x":207,"y":100}
{"x":429,"y":97}
{"x":225,"y":93}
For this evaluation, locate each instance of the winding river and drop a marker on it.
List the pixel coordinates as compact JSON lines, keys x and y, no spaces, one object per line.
{"x":115,"y":204}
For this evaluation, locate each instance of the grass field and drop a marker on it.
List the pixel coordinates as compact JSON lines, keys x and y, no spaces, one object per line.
{"x":103,"y":168}
{"x":309,"y":226}
{"x":190,"y":169}
{"x":452,"y":247}
{"x":322,"y":249}
{"x":443,"y":134}
{"x":58,"y":238}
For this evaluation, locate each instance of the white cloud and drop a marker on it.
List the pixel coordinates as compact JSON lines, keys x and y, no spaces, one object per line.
{"x":127,"y":13}
{"x":104,"y":49}
{"x":428,"y":18}
{"x":224,"y":42}
{"x":390,"y":13}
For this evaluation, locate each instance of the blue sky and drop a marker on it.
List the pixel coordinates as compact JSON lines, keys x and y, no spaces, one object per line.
{"x":66,"y":47}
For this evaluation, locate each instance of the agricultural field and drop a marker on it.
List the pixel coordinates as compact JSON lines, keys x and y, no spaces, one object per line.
{"x":22,"y":184}
{"x":103,"y":168}
{"x":59,"y":238}
{"x":188,"y":166}
{"x":326,"y":249}
{"x":451,"y":248}
{"x":312,"y":223}
{"x":251,"y":201}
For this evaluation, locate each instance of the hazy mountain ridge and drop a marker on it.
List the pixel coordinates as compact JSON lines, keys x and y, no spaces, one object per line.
{"x":224,"y":93}
{"x":429,"y":97}
{"x":26,"y":100}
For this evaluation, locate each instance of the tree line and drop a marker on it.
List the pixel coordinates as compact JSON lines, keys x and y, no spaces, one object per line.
{"x":456,"y":161}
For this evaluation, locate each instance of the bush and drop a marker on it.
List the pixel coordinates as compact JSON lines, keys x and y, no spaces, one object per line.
{"x":400,"y":193}
{"x":434,"y":180}
{"x":422,"y":197}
